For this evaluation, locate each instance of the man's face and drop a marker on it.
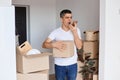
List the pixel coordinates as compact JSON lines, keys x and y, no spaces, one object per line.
{"x":66,"y":19}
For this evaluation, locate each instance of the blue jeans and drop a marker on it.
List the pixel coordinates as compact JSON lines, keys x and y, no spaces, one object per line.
{"x":66,"y":72}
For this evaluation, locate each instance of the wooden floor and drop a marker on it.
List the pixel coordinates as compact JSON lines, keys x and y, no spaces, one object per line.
{"x":52,"y":77}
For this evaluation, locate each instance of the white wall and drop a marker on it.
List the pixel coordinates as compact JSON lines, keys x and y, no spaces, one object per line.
{"x":112,"y":49}
{"x":102,"y":40}
{"x":42,"y":22}
{"x":5,"y":2}
{"x":7,"y":44}
{"x":110,"y":23}
{"x":85,"y":11}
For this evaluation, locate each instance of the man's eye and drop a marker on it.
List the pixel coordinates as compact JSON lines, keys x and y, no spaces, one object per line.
{"x":68,"y":17}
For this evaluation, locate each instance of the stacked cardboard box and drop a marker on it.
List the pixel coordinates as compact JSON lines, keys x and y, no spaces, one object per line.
{"x":31,"y":67}
{"x":79,"y":75}
{"x":91,"y":47}
{"x":41,"y":75}
{"x":91,"y":35}
{"x":95,"y":77}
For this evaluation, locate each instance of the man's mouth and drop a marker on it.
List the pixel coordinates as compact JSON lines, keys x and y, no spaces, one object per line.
{"x":69,"y":22}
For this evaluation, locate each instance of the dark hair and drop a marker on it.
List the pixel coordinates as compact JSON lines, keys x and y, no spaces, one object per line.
{"x":65,"y":11}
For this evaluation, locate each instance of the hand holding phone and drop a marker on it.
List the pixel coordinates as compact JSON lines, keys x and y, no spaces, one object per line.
{"x":73,"y":23}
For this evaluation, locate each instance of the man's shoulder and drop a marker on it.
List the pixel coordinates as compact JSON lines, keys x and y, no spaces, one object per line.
{"x":56,"y":30}
{"x":54,"y":33}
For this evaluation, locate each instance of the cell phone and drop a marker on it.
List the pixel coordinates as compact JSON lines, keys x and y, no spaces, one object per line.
{"x":74,"y":22}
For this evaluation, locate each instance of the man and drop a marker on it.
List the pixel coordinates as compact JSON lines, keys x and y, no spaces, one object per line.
{"x":65,"y":68}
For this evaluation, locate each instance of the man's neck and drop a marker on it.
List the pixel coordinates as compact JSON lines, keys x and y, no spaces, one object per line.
{"x":65,"y":28}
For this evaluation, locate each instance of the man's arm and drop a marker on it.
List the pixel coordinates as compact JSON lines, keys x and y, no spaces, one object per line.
{"x":47,"y":43}
{"x":77,"y":40}
{"x":57,"y":44}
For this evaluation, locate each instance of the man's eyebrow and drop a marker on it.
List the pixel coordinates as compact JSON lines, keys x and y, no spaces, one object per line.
{"x":68,"y":17}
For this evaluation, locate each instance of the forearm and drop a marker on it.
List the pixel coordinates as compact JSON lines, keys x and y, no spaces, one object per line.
{"x":57,"y":44}
{"x":77,"y":40}
{"x":47,"y":45}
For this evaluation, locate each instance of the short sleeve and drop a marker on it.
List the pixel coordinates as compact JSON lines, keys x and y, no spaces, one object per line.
{"x":52,"y":35}
{"x":79,"y":33}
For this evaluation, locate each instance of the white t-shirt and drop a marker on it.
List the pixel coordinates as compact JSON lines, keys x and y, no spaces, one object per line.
{"x":60,"y":34}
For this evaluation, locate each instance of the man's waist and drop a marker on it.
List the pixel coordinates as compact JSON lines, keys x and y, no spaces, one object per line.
{"x":65,"y":63}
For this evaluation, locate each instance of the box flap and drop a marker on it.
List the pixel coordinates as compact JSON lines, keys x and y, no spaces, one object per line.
{"x":24,"y":48}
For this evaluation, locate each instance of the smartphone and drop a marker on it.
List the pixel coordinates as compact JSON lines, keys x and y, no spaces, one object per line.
{"x":74,"y":22}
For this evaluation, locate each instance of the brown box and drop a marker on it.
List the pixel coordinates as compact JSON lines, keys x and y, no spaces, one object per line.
{"x":91,"y":35}
{"x":43,"y":75}
{"x":68,"y":52}
{"x":79,"y":76}
{"x":91,"y":47}
{"x":79,"y":65}
{"x":31,"y":63}
{"x":95,"y":77}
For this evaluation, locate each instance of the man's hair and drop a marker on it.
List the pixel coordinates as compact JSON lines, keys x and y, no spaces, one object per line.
{"x":65,"y":11}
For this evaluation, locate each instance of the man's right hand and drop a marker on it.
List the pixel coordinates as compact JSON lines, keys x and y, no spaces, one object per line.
{"x":60,"y":45}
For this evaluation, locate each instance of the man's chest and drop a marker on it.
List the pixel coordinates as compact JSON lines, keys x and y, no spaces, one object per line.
{"x":64,"y":36}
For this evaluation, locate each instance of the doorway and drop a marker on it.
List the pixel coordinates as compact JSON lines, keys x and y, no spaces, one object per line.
{"x":21,"y":23}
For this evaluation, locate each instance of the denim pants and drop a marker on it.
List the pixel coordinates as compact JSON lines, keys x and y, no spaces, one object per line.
{"x":66,"y":72}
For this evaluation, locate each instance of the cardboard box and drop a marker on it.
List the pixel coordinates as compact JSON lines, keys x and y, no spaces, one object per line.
{"x":79,"y":76}
{"x":31,"y":63}
{"x":95,"y":77}
{"x":79,"y":64}
{"x":96,"y":66}
{"x":91,"y":47}
{"x":43,"y":75}
{"x":91,"y":35}
{"x":68,"y":52}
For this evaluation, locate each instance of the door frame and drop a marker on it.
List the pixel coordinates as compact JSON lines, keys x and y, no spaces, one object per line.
{"x":27,"y":19}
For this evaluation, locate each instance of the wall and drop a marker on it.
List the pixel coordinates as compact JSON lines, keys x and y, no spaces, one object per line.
{"x":112,"y":48}
{"x":85,"y":11}
{"x":7,"y":43}
{"x":110,"y":22}
{"x":42,"y":22}
{"x":5,"y":2}
{"x":102,"y":40}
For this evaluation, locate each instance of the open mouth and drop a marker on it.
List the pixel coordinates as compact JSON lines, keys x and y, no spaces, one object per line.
{"x":69,"y":22}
